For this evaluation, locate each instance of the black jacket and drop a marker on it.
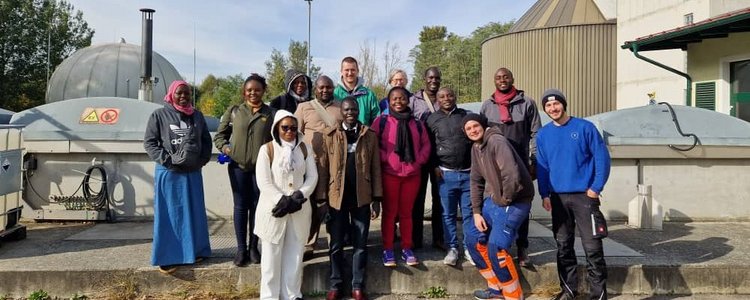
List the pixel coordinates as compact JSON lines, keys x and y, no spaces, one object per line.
{"x":178,"y":142}
{"x":287,"y":101}
{"x":451,"y":148}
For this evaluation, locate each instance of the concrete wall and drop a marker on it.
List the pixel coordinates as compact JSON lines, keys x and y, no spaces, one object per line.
{"x":130,"y":180}
{"x":707,"y":189}
{"x":638,"y":18}
{"x":710,"y":59}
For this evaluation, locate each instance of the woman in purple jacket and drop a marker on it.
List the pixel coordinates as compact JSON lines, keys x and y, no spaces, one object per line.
{"x":404,"y":148}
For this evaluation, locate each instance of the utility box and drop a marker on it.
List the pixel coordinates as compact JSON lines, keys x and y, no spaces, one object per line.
{"x":11,"y":172}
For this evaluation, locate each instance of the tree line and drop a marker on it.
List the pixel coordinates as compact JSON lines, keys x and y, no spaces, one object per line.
{"x":458,"y":57}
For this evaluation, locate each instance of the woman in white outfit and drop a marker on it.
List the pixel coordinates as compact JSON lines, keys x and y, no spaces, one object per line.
{"x":287,"y":176}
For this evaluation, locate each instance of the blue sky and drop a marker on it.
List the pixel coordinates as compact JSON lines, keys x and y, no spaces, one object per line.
{"x":236,"y":36}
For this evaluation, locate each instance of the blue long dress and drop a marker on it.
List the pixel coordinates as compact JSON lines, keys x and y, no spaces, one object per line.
{"x":180,"y":222}
{"x":180,"y":145}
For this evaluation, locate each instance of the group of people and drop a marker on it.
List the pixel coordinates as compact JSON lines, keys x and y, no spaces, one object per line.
{"x":329,"y":154}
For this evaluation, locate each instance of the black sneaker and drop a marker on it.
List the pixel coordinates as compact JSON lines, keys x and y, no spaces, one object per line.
{"x":240,"y":258}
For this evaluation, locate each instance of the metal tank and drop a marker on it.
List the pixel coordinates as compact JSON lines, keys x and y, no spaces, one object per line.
{"x":694,"y":162}
{"x":84,"y":148}
{"x":565,"y":44}
{"x":95,"y":146}
{"x":108,"y":70}
{"x":11,"y":147}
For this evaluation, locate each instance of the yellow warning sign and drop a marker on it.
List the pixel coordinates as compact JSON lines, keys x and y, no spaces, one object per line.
{"x":91,"y":118}
{"x":105,"y":116}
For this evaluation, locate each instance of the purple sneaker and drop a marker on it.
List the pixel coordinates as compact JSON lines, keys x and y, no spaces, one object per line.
{"x":408,"y":256}
{"x":389,"y":259}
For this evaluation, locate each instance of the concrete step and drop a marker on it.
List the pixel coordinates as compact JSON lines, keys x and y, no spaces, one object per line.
{"x":685,"y":259}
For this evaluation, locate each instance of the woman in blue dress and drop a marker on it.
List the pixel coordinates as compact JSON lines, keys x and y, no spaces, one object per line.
{"x":177,"y":139}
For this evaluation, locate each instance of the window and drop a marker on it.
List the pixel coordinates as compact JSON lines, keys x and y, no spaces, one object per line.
{"x":689,"y":19}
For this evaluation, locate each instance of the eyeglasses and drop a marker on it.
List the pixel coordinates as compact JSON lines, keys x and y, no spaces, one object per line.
{"x":287,"y":128}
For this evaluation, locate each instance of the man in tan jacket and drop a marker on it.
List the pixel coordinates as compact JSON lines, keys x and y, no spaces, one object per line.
{"x":350,"y":181}
{"x":315,"y":117}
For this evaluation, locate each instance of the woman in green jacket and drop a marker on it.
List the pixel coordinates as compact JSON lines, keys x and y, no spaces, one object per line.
{"x":243,"y":129}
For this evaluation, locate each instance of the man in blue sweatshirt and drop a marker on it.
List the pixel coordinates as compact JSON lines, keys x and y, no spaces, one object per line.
{"x":572,"y":167}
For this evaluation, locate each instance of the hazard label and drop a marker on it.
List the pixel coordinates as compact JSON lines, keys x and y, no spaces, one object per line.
{"x":106,"y":116}
{"x":109,"y":116}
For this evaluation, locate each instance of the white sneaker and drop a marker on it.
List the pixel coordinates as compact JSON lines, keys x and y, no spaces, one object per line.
{"x":451,"y":258}
{"x":467,"y":256}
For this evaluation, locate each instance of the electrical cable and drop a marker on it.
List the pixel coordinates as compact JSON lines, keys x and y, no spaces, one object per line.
{"x":91,"y":199}
{"x":677,"y":124}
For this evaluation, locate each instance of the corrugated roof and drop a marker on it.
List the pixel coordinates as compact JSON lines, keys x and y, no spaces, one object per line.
{"x":553,"y":13}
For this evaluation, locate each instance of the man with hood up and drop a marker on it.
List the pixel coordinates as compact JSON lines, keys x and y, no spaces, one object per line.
{"x":298,"y":87}
{"x":501,"y":194}
{"x":351,"y":85}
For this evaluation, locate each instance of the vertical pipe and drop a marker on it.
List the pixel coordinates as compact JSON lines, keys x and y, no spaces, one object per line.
{"x":146,"y":89}
{"x":309,"y":24}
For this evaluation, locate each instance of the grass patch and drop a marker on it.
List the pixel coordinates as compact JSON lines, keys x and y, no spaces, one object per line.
{"x":121,"y":286}
{"x":436,"y":292}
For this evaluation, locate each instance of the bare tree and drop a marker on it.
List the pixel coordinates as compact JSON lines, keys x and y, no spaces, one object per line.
{"x":392,"y":59}
{"x":368,"y":68}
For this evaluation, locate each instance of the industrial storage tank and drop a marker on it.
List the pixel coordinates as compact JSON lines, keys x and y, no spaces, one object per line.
{"x":565,"y":44}
{"x":694,"y":171}
{"x":66,"y":140}
{"x":108,"y":70}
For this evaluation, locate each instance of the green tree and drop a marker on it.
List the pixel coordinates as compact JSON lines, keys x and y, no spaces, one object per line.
{"x":216,"y":94}
{"x":459,"y":58}
{"x":429,"y":52}
{"x":278,"y":63}
{"x":33,"y":33}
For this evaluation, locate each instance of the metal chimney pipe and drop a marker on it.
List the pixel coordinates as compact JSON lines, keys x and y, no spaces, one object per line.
{"x":146,"y":89}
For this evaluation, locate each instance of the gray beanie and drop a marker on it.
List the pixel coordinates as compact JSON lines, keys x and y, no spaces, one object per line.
{"x":554,"y":94}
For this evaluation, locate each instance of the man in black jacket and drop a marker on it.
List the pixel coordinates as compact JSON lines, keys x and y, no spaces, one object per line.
{"x":298,"y":87}
{"x":451,"y":163}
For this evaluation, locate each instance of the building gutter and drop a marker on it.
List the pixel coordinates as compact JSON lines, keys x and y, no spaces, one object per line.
{"x":689,"y":87}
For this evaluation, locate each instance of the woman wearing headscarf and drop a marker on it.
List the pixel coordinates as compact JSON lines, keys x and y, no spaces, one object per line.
{"x":243,"y":129}
{"x":404,"y":148}
{"x":287,"y":176}
{"x":177,"y":139}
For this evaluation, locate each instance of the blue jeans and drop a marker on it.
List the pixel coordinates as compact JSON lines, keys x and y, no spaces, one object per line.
{"x":454,"y":191}
{"x":503,"y":223}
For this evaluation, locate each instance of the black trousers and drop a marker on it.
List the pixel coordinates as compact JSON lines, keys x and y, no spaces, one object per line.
{"x":245,"y":194}
{"x":569,"y":210}
{"x":418,"y":211}
{"x":355,"y":220}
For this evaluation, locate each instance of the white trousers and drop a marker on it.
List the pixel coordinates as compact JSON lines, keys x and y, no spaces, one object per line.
{"x":281,"y":266}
